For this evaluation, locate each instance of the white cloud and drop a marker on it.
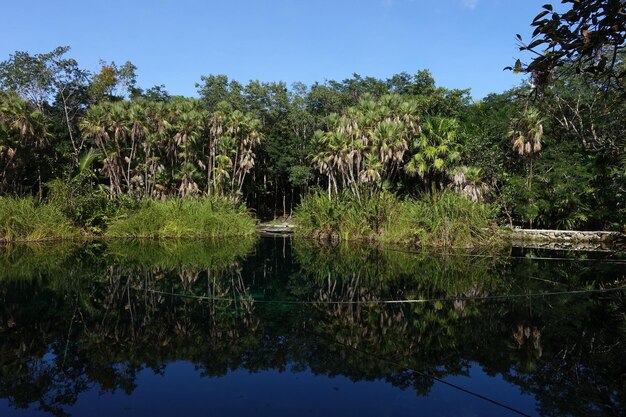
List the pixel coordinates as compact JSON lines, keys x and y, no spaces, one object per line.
{"x":470,"y":4}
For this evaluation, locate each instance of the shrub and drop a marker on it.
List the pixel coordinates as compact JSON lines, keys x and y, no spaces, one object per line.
{"x":87,"y":207}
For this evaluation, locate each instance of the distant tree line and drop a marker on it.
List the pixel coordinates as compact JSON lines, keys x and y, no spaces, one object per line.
{"x":550,"y":153}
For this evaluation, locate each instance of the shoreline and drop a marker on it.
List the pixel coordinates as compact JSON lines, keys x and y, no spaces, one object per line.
{"x":576,"y":240}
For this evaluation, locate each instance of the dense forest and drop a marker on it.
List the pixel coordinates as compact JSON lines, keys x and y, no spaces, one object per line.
{"x":550,"y":153}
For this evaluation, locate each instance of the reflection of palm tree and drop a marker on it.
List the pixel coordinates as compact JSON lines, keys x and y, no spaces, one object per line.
{"x":528,"y":346}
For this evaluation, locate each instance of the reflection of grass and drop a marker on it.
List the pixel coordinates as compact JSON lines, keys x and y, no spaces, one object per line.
{"x":385,"y":268}
{"x":22,"y":220}
{"x":170,"y":254}
{"x":187,"y":218}
{"x":32,"y":261}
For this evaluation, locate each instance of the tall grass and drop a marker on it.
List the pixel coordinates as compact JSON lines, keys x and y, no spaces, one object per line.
{"x":23,"y":220}
{"x":184,"y":218}
{"x":445,"y":219}
{"x":344,"y":217}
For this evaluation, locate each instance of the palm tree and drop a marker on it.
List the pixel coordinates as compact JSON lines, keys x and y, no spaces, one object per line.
{"x":435,"y":149}
{"x":93,"y":125}
{"x":158,"y":127}
{"x":366,"y":146}
{"x":138,"y":131}
{"x":468,"y":182}
{"x":119,"y":127}
{"x":526,"y":133}
{"x":245,"y":129}
{"x":25,"y":128}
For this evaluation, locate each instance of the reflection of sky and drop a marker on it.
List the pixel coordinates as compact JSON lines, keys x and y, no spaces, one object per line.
{"x":181,"y":391}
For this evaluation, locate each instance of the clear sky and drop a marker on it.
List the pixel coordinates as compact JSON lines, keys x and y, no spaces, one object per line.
{"x":465,"y":43}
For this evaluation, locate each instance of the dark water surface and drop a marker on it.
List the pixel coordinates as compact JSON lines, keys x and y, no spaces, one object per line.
{"x":280,"y":328}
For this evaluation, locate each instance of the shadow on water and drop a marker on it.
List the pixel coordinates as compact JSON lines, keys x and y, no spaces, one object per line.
{"x":95,"y":318}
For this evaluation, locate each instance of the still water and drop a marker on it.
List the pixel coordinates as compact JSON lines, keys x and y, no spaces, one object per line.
{"x":273,"y":327}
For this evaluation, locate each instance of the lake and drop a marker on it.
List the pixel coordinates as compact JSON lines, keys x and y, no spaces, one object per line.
{"x":277,"y":327}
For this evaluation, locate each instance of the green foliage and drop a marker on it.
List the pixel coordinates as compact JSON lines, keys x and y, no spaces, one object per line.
{"x":184,"y":218}
{"x":445,"y":219}
{"x":589,"y":35}
{"x":267,"y":143}
{"x":300,"y":176}
{"x":87,"y":207}
{"x":435,"y":151}
{"x":564,"y":189}
{"x":113,"y":82}
{"x":344,"y":216}
{"x":370,"y":267}
{"x":23,"y":220}
{"x":318,"y":215}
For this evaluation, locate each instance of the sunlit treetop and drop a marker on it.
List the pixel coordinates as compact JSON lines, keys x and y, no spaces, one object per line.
{"x":590,"y":37}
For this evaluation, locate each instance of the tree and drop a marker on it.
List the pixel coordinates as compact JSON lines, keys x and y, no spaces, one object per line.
{"x":366,"y":146}
{"x":578,"y":72}
{"x":24,"y":133}
{"x":526,"y":134}
{"x":589,"y":36}
{"x":113,"y":82}
{"x":46,"y":79}
{"x":435,"y":151}
{"x":215,"y":89}
{"x":32,"y":77}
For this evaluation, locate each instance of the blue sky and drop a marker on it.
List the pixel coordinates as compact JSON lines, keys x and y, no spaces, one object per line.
{"x":465,"y":43}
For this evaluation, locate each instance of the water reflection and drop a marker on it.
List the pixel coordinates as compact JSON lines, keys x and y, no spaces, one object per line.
{"x":75,"y":320}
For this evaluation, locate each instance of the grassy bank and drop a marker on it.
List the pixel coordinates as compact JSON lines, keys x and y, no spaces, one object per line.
{"x":22,"y":219}
{"x":183,"y":218}
{"x":443,"y":220}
